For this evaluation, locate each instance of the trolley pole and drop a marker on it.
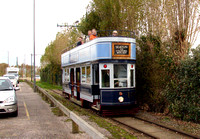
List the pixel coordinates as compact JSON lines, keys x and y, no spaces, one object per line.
{"x":34,"y":86}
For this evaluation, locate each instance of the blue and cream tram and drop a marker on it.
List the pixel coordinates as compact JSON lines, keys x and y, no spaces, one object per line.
{"x":101,"y":74}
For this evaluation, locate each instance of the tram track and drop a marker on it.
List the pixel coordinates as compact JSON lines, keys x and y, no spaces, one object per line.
{"x":142,"y":131}
{"x":132,"y":129}
{"x":157,"y":130}
{"x":169,"y":128}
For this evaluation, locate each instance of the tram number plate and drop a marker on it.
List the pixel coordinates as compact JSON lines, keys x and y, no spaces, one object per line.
{"x":121,"y":49}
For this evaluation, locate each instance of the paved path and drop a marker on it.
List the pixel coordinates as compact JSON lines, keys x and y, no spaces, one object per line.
{"x":35,"y":119}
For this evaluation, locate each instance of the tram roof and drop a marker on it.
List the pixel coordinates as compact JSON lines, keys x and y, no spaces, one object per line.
{"x":99,"y":48}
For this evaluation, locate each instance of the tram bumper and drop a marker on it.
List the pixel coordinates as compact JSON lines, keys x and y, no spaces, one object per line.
{"x":124,"y":98}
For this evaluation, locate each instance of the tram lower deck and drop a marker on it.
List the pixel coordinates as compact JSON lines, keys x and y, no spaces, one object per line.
{"x":103,"y":80}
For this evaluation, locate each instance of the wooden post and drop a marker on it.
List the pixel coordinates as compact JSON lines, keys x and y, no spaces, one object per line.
{"x":75,"y":128}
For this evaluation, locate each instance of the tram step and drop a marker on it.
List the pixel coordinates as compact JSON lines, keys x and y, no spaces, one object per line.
{"x":94,"y":107}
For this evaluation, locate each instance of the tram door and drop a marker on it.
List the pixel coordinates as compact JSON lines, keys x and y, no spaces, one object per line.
{"x":78,"y":83}
{"x":72,"y":81}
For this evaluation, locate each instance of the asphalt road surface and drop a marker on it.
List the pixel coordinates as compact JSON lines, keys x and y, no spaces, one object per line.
{"x":35,"y":119}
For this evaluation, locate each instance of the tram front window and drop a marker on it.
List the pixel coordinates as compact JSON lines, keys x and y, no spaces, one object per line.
{"x":105,"y":78}
{"x":120,"y":83}
{"x":120,"y":75}
{"x":120,"y":71}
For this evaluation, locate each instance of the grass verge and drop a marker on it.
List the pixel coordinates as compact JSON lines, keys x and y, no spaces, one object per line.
{"x":57,"y":111}
{"x":45,"y":85}
{"x":116,"y":131}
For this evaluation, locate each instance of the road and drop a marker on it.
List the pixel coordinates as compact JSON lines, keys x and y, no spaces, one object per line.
{"x":35,"y":119}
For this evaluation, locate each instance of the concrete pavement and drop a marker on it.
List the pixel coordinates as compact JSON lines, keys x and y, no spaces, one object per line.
{"x":35,"y":119}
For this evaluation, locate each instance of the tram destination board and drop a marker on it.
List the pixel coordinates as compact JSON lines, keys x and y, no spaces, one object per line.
{"x":121,"y":50}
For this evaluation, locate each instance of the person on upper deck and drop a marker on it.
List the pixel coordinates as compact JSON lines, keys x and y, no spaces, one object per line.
{"x":80,"y":41}
{"x":114,"y":33}
{"x":94,"y":34}
{"x":88,"y":36}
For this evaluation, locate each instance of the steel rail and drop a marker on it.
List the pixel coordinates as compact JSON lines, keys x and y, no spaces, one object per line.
{"x":169,"y":128}
{"x":135,"y":129}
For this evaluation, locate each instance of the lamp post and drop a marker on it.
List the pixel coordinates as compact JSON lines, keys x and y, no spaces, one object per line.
{"x":34,"y":86}
{"x":32,"y":66}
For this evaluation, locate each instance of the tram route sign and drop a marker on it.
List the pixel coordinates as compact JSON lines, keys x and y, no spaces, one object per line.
{"x":121,"y":50}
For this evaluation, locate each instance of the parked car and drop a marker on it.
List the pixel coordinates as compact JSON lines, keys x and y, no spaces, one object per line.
{"x":17,"y":77}
{"x":8,"y":99}
{"x":13,"y":79}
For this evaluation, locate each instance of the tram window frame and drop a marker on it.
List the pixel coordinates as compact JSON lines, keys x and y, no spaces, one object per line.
{"x":63,"y":75}
{"x":88,"y":76}
{"x":67,"y":75}
{"x":96,"y":74}
{"x":83,"y":78}
{"x":119,"y":81}
{"x":106,"y":66}
{"x":132,"y":75}
{"x":103,"y":70}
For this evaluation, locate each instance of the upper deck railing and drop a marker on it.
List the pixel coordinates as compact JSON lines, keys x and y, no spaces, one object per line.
{"x":121,"y":33}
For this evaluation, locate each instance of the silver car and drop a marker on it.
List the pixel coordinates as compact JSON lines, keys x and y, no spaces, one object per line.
{"x":13,"y":79}
{"x":8,"y":99}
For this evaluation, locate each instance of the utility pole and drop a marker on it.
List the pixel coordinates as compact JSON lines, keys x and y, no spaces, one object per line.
{"x":34,"y":84}
{"x":32,"y":66}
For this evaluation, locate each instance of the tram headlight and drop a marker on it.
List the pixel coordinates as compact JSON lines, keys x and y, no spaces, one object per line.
{"x":121,"y":99}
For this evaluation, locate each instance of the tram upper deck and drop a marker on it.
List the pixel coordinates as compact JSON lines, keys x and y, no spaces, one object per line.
{"x":99,"y":49}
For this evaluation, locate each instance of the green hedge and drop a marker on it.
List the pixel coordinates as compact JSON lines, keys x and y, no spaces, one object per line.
{"x":183,"y":92}
{"x":51,"y":74}
{"x":150,"y":73}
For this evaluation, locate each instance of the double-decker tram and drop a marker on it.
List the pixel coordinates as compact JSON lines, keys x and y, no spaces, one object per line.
{"x":101,"y":74}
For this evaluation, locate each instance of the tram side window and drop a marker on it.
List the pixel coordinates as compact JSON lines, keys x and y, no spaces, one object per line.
{"x":105,"y":79}
{"x":83,"y":76}
{"x":88,"y":75}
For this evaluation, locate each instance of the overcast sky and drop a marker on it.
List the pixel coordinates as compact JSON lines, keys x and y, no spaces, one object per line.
{"x":16,"y":26}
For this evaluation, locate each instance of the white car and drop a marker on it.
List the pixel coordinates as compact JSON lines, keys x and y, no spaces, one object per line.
{"x":8,"y":99}
{"x":13,"y":80}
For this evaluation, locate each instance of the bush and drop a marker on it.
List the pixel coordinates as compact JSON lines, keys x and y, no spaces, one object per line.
{"x":150,"y":74}
{"x":183,"y":92}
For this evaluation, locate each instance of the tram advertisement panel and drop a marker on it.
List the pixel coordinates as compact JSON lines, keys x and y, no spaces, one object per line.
{"x":121,"y":50}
